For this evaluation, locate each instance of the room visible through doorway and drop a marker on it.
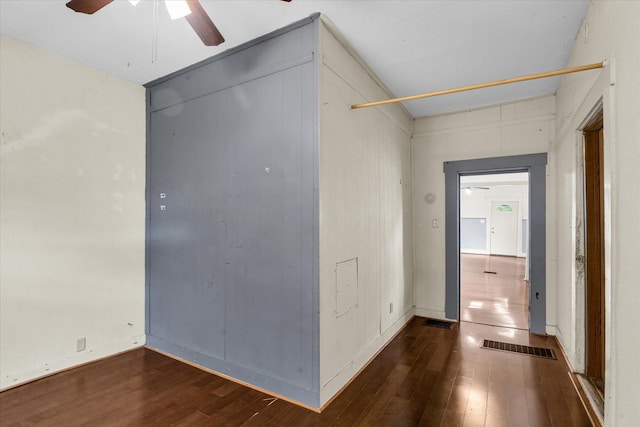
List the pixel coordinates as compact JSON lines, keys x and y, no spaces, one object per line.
{"x":493,"y":249}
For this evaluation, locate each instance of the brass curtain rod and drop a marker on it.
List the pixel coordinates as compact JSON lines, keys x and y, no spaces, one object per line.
{"x":482,"y":85}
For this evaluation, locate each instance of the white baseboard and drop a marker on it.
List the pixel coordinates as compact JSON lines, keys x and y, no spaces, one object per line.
{"x":568,"y":352}
{"x":474,"y":251}
{"x":432,"y":314}
{"x":552,"y":330}
{"x":73,"y":360}
{"x":336,"y":384}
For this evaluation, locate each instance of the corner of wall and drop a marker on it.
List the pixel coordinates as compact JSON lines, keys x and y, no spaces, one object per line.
{"x":366,"y":215}
{"x":361,"y":360}
{"x":72,"y":223}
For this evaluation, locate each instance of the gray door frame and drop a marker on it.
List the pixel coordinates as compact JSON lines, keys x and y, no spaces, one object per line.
{"x":535,"y":165}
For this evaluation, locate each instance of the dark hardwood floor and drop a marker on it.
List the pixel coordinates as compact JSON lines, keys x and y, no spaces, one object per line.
{"x":426,"y":376}
{"x":499,"y":299}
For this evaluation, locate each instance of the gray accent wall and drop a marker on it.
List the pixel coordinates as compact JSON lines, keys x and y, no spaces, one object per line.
{"x":232,"y":219}
{"x":473,"y":233}
{"x":535,"y":164}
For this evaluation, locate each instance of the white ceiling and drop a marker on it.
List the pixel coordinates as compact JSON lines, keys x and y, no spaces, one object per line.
{"x":413,"y":46}
{"x":495,"y":180}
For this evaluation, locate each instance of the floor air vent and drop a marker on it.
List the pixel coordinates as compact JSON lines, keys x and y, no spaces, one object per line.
{"x":546,"y":353}
{"x":443,"y":324}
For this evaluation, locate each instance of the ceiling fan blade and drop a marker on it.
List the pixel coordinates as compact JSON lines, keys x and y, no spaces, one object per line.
{"x":203,"y":25}
{"x":87,"y":6}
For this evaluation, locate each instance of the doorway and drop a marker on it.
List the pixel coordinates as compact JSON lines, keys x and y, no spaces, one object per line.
{"x":594,"y":252}
{"x":493,"y":249}
{"x":504,"y":233}
{"x":535,"y":166}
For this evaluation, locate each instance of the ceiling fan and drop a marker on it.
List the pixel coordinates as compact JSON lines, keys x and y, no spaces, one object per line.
{"x":194,"y":14}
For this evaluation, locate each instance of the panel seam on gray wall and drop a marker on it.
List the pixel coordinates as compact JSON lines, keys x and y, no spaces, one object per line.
{"x":301,"y":23}
{"x":245,"y":79}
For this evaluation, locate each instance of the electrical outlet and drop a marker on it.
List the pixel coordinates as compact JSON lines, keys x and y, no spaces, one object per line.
{"x":81,"y":344}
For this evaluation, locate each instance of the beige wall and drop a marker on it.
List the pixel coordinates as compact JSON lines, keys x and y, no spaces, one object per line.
{"x":72,"y":213}
{"x":524,"y":127}
{"x":365,"y":214}
{"x":72,"y":206}
{"x":614,"y":35}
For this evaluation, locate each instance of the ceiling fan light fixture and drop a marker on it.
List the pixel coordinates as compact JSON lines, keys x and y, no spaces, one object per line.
{"x":177,"y":8}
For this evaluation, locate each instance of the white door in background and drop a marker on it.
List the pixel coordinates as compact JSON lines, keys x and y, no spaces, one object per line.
{"x":504,"y":228}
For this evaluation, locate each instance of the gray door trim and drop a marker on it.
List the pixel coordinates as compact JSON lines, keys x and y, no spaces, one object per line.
{"x":535,"y":165}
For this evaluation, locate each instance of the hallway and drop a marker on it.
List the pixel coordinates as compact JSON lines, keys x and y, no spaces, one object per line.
{"x":493,"y":291}
{"x":426,"y":376}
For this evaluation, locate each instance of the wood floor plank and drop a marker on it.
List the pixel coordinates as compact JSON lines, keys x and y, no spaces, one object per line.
{"x":437,"y":404}
{"x":264,"y":416}
{"x":195,"y":419}
{"x":477,"y":402}
{"x":426,"y":376}
{"x":383,"y":396}
{"x":417,"y":371}
{"x":493,"y":290}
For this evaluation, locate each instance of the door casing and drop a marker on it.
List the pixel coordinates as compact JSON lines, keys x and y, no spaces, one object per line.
{"x":594,"y":251}
{"x":535,"y":165}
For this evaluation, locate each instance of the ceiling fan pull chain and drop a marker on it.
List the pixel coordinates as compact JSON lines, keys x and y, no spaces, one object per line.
{"x":154,"y":40}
